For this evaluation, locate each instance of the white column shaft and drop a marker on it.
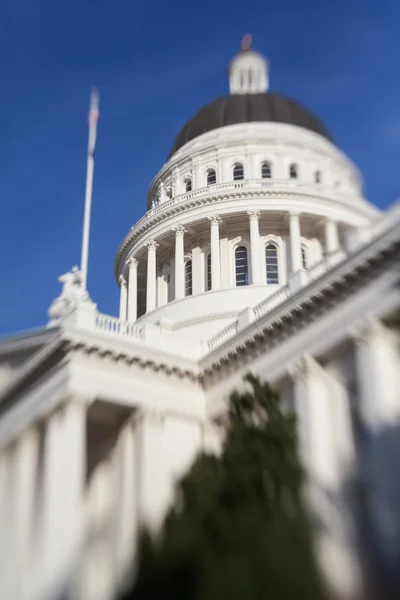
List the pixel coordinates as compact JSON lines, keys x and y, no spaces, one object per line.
{"x":215,"y":255}
{"x":255,"y":249}
{"x":123,"y":299}
{"x":331,"y":237}
{"x":151,"y":277}
{"x":63,"y":491}
{"x":315,"y":411}
{"x":378,"y":375}
{"x":378,"y":380}
{"x":179,"y":264}
{"x":125,"y":487}
{"x":295,"y":242}
{"x":26,"y":481}
{"x":197,"y":271}
{"x":151,"y":490}
{"x":132,"y":291}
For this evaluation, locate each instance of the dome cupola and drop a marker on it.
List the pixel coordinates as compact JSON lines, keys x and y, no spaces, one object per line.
{"x":249,"y":101}
{"x":248,"y":71}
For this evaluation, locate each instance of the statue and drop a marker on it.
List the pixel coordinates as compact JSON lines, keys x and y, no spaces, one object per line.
{"x":71,"y":295}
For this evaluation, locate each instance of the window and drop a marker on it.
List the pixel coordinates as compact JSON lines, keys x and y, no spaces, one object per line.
{"x":188,"y":278}
{"x":241,"y":266}
{"x":208,"y":273}
{"x":271,"y":263}
{"x":317,"y":176}
{"x":266,"y":170}
{"x":169,"y":193}
{"x":211,"y":177}
{"x":293,"y":171}
{"x":238,"y":172}
{"x":188,"y":185}
{"x":304,"y":257}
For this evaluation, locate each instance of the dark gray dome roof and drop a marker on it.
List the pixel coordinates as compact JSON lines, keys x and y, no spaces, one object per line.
{"x":245,"y":108}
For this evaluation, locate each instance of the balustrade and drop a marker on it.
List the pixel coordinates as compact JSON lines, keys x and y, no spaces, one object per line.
{"x":108,"y":324}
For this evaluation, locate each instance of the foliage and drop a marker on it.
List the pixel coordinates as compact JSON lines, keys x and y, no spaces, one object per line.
{"x":239,"y":528}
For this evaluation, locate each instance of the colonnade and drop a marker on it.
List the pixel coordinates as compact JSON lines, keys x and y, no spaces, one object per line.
{"x":128,"y":286}
{"x":348,"y":423}
{"x":43,"y":479}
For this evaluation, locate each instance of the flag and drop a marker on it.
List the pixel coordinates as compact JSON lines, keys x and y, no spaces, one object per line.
{"x":94,"y":115}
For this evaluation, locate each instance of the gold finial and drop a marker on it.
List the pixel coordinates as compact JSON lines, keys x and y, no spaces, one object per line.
{"x":247,"y":41}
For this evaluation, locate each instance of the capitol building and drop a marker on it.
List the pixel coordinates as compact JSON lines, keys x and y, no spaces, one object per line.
{"x":258,"y":252}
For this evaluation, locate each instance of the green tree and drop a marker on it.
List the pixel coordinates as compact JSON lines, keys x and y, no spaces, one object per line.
{"x":238,"y":529}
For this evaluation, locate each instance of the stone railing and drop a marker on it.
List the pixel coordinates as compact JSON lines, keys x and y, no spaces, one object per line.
{"x":108,"y":324}
{"x":251,"y":184}
{"x":223,"y":335}
{"x":317,"y":269}
{"x":271,"y":302}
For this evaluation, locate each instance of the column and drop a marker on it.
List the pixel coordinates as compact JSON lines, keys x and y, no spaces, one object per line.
{"x":215,"y":257}
{"x":378,"y":375}
{"x":24,"y":517}
{"x":151,"y":275}
{"x":124,"y":528}
{"x":315,"y":413}
{"x":295,"y":242}
{"x":378,"y":382}
{"x":122,"y":298}
{"x":17,"y":517}
{"x":332,"y":245}
{"x":132,"y":289}
{"x":197,"y":268}
{"x":255,"y":247}
{"x":64,"y":473}
{"x":152,"y":489}
{"x":179,"y":262}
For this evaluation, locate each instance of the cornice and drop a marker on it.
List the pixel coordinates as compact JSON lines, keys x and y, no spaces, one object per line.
{"x":150,"y":220}
{"x":233,"y":314}
{"x":139,"y":354}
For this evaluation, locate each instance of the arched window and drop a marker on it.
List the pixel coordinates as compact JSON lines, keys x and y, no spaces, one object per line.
{"x":304,"y":257}
{"x":169,"y":193}
{"x":188,"y":184}
{"x":266,"y":172}
{"x":211,"y":177}
{"x":188,"y":278}
{"x":317,"y":177}
{"x":238,"y":172}
{"x":293,"y":171}
{"x":271,"y":263}
{"x":208,"y":273}
{"x":241,"y":266}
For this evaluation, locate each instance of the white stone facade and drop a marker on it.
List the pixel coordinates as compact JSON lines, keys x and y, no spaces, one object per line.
{"x":295,"y":279}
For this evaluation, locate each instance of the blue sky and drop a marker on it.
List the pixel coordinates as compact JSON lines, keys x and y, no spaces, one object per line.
{"x":156,"y":63}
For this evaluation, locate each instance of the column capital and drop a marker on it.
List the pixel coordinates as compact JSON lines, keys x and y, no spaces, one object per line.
{"x":253,"y":215}
{"x":151,"y":245}
{"x":132,"y":262}
{"x":179,"y":230}
{"x":122,"y":281}
{"x":214,"y":219}
{"x":362,"y":331}
{"x":306,"y":365}
{"x":294,"y":214}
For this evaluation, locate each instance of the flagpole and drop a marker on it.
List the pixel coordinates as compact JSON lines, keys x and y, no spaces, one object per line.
{"x":93,"y":118}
